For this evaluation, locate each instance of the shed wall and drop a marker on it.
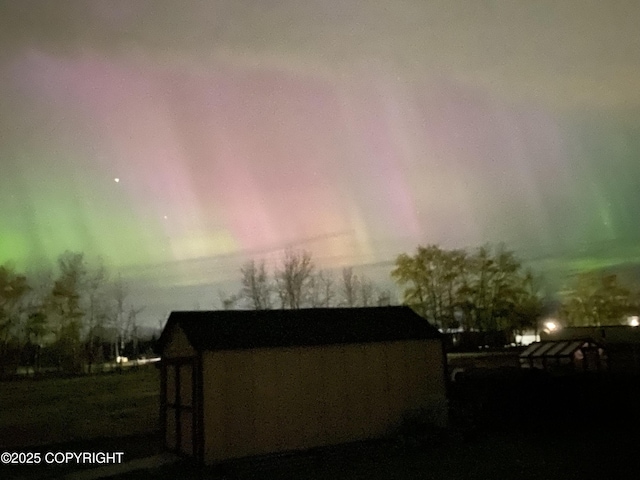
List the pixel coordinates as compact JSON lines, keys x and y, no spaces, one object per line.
{"x":269,"y":400}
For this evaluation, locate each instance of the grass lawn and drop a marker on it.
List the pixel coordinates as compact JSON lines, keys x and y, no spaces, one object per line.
{"x":56,"y":410}
{"x":583,"y":455}
{"x":118,"y":412}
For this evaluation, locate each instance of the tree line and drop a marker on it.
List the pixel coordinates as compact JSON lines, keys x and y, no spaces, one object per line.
{"x":484,"y":290}
{"x":487,"y":289}
{"x":79,"y":317}
{"x":296,"y":282}
{"x":73,"y":320}
{"x":595,"y":298}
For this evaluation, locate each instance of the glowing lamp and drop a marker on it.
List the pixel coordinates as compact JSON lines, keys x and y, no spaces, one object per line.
{"x":634,"y":320}
{"x":550,"y":326}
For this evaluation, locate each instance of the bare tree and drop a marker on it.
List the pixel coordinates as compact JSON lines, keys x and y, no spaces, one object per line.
{"x":293,"y":278}
{"x":132,"y":329}
{"x":228,"y":301}
{"x":383,"y":297}
{"x":65,"y":306}
{"x":123,"y":320}
{"x":361,"y":291}
{"x":350,"y":287}
{"x":67,"y":313}
{"x":256,"y":289}
{"x":321,"y":289}
{"x":99,"y":311}
{"x":367,"y":291}
{"x":119,"y":294}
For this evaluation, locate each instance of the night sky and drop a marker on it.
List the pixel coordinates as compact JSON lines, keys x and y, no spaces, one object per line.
{"x":177,"y":139}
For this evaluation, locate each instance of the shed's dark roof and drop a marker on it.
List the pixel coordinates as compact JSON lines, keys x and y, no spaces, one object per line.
{"x":244,"y":329}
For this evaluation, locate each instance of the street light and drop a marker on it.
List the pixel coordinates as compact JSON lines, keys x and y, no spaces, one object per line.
{"x":550,"y":326}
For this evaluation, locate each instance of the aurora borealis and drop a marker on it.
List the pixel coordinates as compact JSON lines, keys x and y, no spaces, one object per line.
{"x":236,"y":128}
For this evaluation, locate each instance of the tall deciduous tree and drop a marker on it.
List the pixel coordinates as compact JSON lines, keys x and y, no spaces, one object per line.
{"x":493,"y":284}
{"x":293,"y":278}
{"x":256,"y":287}
{"x":484,"y":291}
{"x":367,"y":292}
{"x":350,"y":287}
{"x":228,"y":301}
{"x":65,"y":316}
{"x":98,"y":314}
{"x":65,"y":307}
{"x":296,"y":283}
{"x":321,"y":290}
{"x":383,"y":297}
{"x":595,"y":299}
{"x":361,"y":291}
{"x":433,"y":281}
{"x":119,"y":319}
{"x":528,"y":308}
{"x":13,"y":291}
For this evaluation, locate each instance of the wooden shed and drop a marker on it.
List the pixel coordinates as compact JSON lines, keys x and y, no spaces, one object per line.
{"x":243,"y":383}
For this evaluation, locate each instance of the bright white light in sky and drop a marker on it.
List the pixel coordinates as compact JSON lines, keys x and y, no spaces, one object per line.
{"x":117,"y":180}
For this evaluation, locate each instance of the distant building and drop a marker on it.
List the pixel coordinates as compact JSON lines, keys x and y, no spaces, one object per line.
{"x":244,"y":383}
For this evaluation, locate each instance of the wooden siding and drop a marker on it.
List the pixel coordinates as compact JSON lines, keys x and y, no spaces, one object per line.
{"x":269,"y":400}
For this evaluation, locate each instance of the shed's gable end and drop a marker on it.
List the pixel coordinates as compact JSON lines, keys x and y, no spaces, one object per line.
{"x":176,"y":343}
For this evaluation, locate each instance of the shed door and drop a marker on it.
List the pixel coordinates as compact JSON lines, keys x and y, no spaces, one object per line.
{"x":180,"y":412}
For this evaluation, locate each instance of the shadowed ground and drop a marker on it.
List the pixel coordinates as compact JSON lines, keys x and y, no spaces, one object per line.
{"x":505,"y":425}
{"x":53,"y":410}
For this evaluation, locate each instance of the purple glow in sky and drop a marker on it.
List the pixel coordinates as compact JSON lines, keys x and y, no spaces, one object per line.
{"x":356,"y":131}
